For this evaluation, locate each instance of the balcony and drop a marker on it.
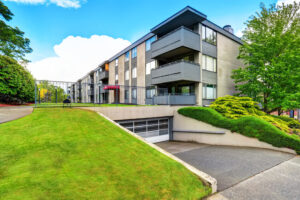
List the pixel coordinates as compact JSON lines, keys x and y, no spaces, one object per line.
{"x":176,"y":71}
{"x":179,"y":41}
{"x":103,"y":75}
{"x":174,"y":100}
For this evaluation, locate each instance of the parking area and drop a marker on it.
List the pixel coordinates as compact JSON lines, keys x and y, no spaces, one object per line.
{"x":14,"y":112}
{"x":238,"y":166}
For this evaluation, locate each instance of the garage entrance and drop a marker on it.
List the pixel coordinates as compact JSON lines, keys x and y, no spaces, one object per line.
{"x":153,"y":129}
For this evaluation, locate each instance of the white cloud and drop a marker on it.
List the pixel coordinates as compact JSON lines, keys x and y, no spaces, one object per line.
{"x":279,"y":2}
{"x":61,"y":3}
{"x":76,"y":56}
{"x":239,"y":33}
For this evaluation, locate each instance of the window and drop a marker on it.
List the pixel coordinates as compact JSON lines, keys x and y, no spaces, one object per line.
{"x":133,"y":52}
{"x":209,"y":63}
{"x":148,"y":43}
{"x":126,"y":94}
{"x":134,"y":72}
{"x":149,"y":67}
{"x":209,"y":35}
{"x":209,"y":91}
{"x":117,"y":77}
{"x":127,"y":75}
{"x":117,"y":62}
{"x":133,"y":93}
{"x":150,"y":92}
{"x":127,"y":56}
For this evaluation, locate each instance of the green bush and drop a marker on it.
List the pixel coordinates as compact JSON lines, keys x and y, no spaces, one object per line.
{"x":250,"y":126}
{"x":236,"y":107}
{"x":16,"y":83}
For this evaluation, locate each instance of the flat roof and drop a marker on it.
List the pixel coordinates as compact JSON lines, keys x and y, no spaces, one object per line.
{"x":185,"y":17}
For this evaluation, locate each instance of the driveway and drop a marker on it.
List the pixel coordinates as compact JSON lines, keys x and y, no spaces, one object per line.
{"x":241,"y":172}
{"x":14,"y":112}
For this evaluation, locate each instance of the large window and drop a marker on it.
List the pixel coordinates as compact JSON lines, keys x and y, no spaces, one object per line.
{"x":133,"y":93}
{"x":149,"y":67}
{"x":209,"y":91}
{"x":209,"y":63}
{"x":117,"y":77}
{"x":133,"y":52}
{"x":150,"y":92}
{"x":117,"y":62}
{"x":127,"y":56}
{"x":148,"y":43}
{"x":126,"y":94}
{"x":127,"y":75}
{"x":209,"y":35}
{"x":134,"y":72}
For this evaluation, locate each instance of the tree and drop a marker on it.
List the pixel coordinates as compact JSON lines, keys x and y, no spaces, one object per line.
{"x":270,"y":52}
{"x":16,"y":83}
{"x":48,"y":93}
{"x":12,"y":41}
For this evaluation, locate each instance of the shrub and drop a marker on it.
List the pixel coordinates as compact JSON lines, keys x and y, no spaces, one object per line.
{"x":236,"y":107}
{"x":250,"y":126}
{"x":16,"y":83}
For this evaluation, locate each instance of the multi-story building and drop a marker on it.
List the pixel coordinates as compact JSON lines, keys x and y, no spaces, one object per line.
{"x":184,"y":60}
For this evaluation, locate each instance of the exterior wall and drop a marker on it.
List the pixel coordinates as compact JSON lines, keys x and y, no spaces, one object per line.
{"x":227,"y":51}
{"x":111,"y":80}
{"x":141,"y":73}
{"x":121,"y":72}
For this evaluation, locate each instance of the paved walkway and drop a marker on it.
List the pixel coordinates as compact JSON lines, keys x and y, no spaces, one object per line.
{"x":243,"y":173}
{"x":14,"y":112}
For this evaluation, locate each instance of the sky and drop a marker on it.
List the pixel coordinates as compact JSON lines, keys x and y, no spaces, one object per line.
{"x":69,"y":38}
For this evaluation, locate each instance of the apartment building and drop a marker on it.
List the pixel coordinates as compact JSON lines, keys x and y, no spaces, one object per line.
{"x":184,"y":60}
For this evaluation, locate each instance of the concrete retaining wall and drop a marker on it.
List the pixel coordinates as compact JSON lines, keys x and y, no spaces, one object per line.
{"x":184,"y":127}
{"x":136,"y":112}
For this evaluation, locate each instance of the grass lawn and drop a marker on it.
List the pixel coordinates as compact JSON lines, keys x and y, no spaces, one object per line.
{"x":76,"y":154}
{"x":85,"y":105}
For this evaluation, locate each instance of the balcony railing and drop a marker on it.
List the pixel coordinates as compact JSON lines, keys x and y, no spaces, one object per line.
{"x":182,"y":37}
{"x":178,"y":99}
{"x":103,"y":75}
{"x":180,"y":70}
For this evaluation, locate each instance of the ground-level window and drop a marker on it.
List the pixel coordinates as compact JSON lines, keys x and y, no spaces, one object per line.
{"x":209,"y":91}
{"x":149,"y":67}
{"x":133,"y":93}
{"x":150,"y":92}
{"x":126,"y":94}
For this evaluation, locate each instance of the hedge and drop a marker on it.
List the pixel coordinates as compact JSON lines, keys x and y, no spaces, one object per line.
{"x":249,"y":126}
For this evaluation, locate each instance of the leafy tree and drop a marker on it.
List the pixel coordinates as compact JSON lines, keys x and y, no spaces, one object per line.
{"x":47,"y":93}
{"x":270,"y":52}
{"x":16,"y":83}
{"x":12,"y":41}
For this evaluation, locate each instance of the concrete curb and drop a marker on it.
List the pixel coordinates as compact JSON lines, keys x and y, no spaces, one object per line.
{"x":207,"y":179}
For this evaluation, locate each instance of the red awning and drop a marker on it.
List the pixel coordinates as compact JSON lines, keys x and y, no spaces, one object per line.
{"x":111,"y":87}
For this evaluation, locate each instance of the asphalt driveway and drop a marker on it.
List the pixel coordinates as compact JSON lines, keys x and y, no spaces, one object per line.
{"x":14,"y":112}
{"x":241,"y":172}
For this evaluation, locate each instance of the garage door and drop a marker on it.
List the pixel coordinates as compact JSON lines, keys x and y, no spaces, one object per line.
{"x":153,"y":130}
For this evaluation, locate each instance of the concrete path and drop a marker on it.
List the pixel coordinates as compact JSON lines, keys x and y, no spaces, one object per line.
{"x":243,"y":173}
{"x":14,"y":112}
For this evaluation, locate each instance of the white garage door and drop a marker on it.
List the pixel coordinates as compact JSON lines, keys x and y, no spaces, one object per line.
{"x":153,"y":130}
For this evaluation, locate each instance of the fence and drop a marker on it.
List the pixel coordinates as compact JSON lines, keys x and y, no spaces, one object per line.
{"x":87,"y":93}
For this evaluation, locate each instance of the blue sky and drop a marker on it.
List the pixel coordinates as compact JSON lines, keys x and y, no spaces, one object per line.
{"x":47,"y":25}
{"x":50,"y":25}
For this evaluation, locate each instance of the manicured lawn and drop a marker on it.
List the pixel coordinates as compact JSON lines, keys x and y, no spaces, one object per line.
{"x":76,"y":154}
{"x":84,"y":105}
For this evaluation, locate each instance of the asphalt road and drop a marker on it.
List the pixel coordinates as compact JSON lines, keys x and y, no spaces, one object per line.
{"x":241,"y":172}
{"x":14,"y":112}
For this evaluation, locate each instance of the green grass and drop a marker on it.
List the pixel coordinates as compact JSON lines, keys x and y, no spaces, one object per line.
{"x":250,"y":126}
{"x":85,"y":105}
{"x":76,"y":154}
